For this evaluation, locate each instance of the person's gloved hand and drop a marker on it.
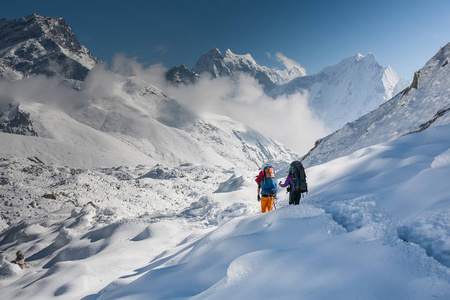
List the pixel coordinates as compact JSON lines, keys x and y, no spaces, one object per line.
{"x":259,"y":197}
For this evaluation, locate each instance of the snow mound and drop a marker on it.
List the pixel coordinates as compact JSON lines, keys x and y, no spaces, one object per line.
{"x":160,"y":172}
{"x":234,"y":183}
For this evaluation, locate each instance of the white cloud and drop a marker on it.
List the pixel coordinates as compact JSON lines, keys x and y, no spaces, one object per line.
{"x":42,"y":90}
{"x":289,"y":63}
{"x":127,"y":66}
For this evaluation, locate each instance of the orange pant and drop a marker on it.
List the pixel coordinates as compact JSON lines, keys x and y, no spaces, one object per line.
{"x":266,"y":204}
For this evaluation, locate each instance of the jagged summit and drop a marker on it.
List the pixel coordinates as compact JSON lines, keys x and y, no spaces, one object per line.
{"x":35,"y":45}
{"x":351,"y":61}
{"x":214,"y":63}
{"x":245,"y":59}
{"x":211,"y":62}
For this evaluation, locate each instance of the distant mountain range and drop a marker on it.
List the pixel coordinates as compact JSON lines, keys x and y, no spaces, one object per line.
{"x":338,"y":94}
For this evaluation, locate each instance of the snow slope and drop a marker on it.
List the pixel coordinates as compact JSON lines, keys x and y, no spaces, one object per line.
{"x":374,"y":225}
{"x":426,"y":103}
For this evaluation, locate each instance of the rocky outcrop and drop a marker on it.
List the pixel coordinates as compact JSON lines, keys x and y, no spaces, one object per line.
{"x":181,"y":74}
{"x":15,"y":121}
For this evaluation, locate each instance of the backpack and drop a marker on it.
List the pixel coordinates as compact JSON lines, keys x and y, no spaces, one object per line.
{"x":299,"y":177}
{"x":269,"y":184}
{"x":259,"y":178}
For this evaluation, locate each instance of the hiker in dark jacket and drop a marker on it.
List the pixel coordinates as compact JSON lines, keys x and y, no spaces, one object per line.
{"x":294,"y":196}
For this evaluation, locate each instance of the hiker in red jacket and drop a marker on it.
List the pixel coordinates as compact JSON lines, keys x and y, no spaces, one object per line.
{"x":267,"y":188}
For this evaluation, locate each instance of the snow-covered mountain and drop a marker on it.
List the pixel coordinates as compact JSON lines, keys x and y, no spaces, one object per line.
{"x":217,"y":65}
{"x":36,"y":45}
{"x":425,"y":103}
{"x":343,"y":92}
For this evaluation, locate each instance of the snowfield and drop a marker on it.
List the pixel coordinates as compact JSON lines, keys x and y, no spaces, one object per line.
{"x":375,"y":225}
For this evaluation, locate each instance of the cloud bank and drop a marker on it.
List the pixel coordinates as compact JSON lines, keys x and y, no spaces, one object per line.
{"x":43,"y":90}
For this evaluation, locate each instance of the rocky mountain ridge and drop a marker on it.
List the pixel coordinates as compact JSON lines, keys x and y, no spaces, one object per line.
{"x":35,"y":45}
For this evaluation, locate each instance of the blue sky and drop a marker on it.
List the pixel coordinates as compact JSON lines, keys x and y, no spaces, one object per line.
{"x":316,"y":34}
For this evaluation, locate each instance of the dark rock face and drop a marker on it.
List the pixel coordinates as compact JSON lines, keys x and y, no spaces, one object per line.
{"x":181,"y":74}
{"x":35,"y":45}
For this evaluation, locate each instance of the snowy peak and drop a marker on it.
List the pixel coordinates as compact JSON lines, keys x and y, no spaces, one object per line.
{"x":343,"y":92}
{"x":214,"y":63}
{"x":240,"y":62}
{"x":36,"y":45}
{"x":58,"y":30}
{"x":211,"y":62}
{"x":355,"y":61}
{"x":368,"y":57}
